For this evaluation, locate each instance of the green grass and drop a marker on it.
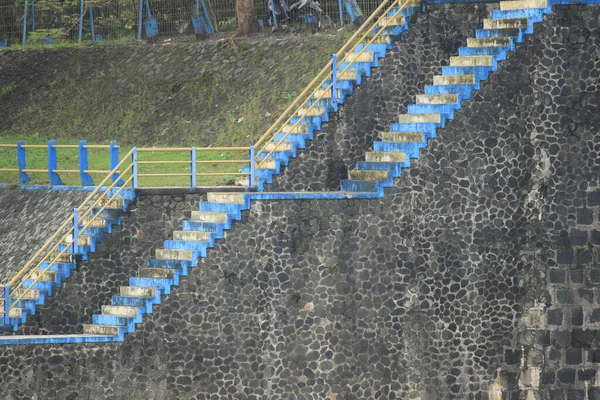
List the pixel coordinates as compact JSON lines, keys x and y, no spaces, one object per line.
{"x":103,"y":93}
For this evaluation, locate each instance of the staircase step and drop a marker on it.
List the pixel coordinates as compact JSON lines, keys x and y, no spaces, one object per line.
{"x":199,"y":247}
{"x":115,"y":203}
{"x":143,"y":303}
{"x":133,"y":291}
{"x":165,"y":254}
{"x":534,"y":14}
{"x":360,"y":186}
{"x":410,"y":149}
{"x":192,"y":236}
{"x":394,"y":167}
{"x":213,"y":227}
{"x":397,"y":20}
{"x":98,"y":222}
{"x":403,"y":137}
{"x":366,"y":175}
{"x":503,"y":23}
{"x":183,"y":265}
{"x":454,"y":80}
{"x":279,"y":146}
{"x":15,"y":312}
{"x":311,"y":111}
{"x":161,"y":273}
{"x":92,"y":329}
{"x":523,"y":4}
{"x":437,"y":99}
{"x":490,"y":42}
{"x":365,"y":57}
{"x":164,"y":284}
{"x":121,"y":311}
{"x":467,"y":61}
{"x":27,"y":294}
{"x":372,"y":156}
{"x":420,"y":118}
{"x":231,"y":198}
{"x":47,"y":276}
{"x":210,"y":216}
{"x":494,"y":33}
{"x":112,"y":320}
{"x":349,"y":75}
{"x":57,"y":257}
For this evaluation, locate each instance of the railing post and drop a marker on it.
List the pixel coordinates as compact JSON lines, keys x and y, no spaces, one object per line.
{"x":252,"y":168}
{"x":86,"y":179}
{"x":75,"y":231}
{"x":274,"y":14}
{"x":53,"y":164}
{"x":25,"y":25}
{"x":341,"y":12}
{"x":139,"y":35}
{"x":6,"y":295}
{"x":114,"y":161}
{"x":80,"y":19}
{"x":135,"y":168}
{"x":22,"y":160}
{"x":333,"y":76}
{"x":193,"y":168}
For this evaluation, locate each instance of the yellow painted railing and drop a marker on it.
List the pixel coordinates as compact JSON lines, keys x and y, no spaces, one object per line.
{"x":323,"y":83}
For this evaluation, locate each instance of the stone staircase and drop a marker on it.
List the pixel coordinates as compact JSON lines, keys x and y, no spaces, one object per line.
{"x":390,"y":155}
{"x":41,"y":284}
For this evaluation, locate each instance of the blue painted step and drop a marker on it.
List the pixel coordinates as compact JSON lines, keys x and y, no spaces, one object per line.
{"x":411,"y":149}
{"x":394,"y":168}
{"x":480,"y":72}
{"x":492,"y":33}
{"x":464,"y":91}
{"x":160,"y":283}
{"x":498,"y":52}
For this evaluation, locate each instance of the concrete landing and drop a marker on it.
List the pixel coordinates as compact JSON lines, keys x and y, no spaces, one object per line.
{"x":56,"y":339}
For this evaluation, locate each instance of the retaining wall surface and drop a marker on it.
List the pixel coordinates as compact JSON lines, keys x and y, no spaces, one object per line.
{"x":27,"y":219}
{"x":415,"y":295}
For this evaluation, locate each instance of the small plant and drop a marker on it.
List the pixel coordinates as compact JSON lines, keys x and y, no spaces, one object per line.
{"x":6,"y":90}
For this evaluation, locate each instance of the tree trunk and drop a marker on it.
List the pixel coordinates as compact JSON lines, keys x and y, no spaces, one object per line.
{"x":246,"y":16}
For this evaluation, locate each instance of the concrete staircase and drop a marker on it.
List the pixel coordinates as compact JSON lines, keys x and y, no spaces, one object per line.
{"x":51,"y":278}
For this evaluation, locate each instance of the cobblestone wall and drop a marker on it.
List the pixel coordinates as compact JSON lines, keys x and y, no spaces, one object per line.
{"x":27,"y":219}
{"x":414,"y":296}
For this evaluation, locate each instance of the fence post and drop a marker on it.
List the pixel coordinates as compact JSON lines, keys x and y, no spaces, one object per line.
{"x":86,"y":179}
{"x":53,"y":164}
{"x":193,"y":168}
{"x":32,"y":15}
{"x":252,"y":168}
{"x":6,"y":295}
{"x":22,"y":161}
{"x":207,"y":16}
{"x":274,"y":14}
{"x":80,"y":19}
{"x":333,"y":77}
{"x":75,"y":231}
{"x":135,"y":168}
{"x":341,"y":12}
{"x":92,"y":23}
{"x":114,"y":161}
{"x":25,"y":25}
{"x":139,"y":37}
